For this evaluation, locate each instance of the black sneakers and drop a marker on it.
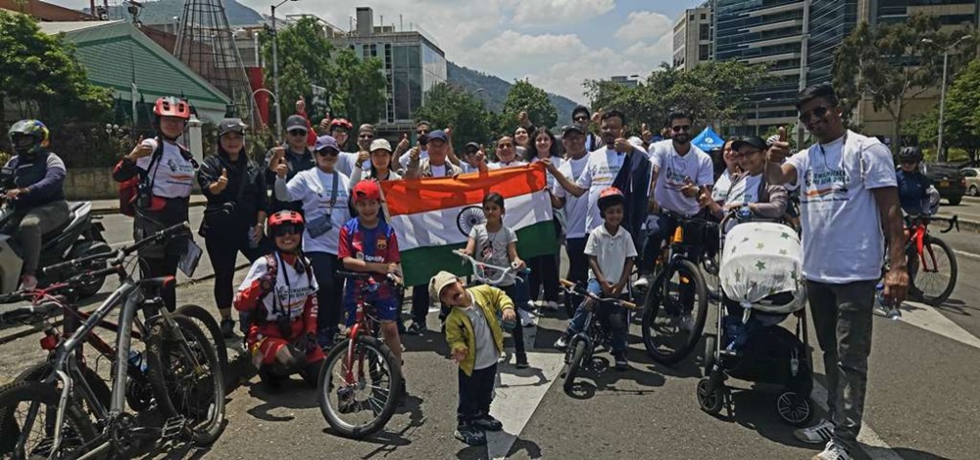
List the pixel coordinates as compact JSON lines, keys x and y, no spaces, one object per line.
{"x":228,"y":328}
{"x":487,"y":422}
{"x":470,"y":434}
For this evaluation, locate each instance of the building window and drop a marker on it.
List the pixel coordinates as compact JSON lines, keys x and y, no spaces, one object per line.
{"x":704,"y":52}
{"x":705,"y":32}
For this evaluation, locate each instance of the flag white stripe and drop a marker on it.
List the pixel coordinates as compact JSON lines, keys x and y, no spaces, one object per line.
{"x":441,"y":227}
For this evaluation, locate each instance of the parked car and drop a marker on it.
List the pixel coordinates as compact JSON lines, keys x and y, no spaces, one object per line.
{"x":972,"y":176}
{"x":948,"y":180}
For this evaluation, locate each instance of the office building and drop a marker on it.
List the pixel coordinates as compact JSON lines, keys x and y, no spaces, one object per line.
{"x":693,"y":37}
{"x":629,"y":81}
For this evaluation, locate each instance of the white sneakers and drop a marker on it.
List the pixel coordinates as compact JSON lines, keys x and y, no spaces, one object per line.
{"x":642,"y":283}
{"x":833,"y":451}
{"x":816,"y":434}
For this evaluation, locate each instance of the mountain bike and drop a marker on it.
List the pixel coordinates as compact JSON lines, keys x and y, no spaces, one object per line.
{"x":360,"y":377}
{"x":183,"y":371}
{"x":582,"y":345}
{"x":931,"y":262}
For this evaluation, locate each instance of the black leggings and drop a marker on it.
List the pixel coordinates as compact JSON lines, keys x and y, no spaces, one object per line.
{"x":223,"y":252}
{"x":152,"y":267}
{"x":544,"y":271}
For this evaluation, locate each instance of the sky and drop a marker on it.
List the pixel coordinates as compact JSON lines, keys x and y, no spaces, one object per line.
{"x":555,"y":44}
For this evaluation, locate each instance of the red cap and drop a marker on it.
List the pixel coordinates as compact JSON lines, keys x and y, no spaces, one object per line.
{"x":367,"y":189}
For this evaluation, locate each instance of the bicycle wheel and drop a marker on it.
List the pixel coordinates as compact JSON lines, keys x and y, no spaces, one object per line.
{"x":573,"y":366}
{"x":674,"y":314}
{"x":186,"y":386}
{"x":39,"y":371}
{"x":936,"y":277}
{"x":709,"y":271}
{"x":28,"y":430}
{"x":207,"y":324}
{"x":357,"y":389}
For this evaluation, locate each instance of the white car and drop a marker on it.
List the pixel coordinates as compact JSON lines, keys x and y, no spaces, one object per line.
{"x":972,"y":176}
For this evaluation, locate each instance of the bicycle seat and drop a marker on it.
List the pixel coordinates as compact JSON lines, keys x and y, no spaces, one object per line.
{"x":21,"y":313}
{"x":158,"y":282}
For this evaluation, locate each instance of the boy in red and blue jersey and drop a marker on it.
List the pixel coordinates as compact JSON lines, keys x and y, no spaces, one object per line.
{"x":368,"y":244}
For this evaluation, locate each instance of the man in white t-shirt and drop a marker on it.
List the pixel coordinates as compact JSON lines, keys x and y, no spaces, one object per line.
{"x":681,"y":172}
{"x":576,"y":208}
{"x":848,"y":195}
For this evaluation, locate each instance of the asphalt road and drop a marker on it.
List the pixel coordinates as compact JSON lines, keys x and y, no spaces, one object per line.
{"x":921,"y":401}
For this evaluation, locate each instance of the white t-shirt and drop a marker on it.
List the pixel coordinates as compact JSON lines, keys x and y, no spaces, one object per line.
{"x":313,"y":187}
{"x":500,"y":165}
{"x":674,"y":169}
{"x":346,"y":162}
{"x":745,"y":190}
{"x":724,"y":183}
{"x":842,"y":237}
{"x":172,"y":175}
{"x":610,"y":251}
{"x":287,"y":297}
{"x":486,"y":350}
{"x":438,"y":171}
{"x":576,"y":208}
{"x":467,"y":168}
{"x":407,"y":157}
{"x":599,"y":174}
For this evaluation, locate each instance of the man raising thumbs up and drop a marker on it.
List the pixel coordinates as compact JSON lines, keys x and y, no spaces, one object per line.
{"x":295,"y":154}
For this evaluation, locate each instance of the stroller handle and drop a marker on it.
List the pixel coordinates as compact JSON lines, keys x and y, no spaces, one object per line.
{"x":578,"y":289}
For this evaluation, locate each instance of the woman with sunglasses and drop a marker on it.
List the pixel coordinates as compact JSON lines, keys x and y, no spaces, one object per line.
{"x":237,"y":207}
{"x":324,"y":193}
{"x":750,"y":190}
{"x":915,"y":190}
{"x":295,"y":154}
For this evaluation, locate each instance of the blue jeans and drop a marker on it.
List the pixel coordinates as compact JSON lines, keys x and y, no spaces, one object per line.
{"x":613,"y":318}
{"x":658,"y":230}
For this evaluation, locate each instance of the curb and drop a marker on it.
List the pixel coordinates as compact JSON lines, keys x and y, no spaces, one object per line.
{"x":28,"y":330}
{"x":967,"y":225}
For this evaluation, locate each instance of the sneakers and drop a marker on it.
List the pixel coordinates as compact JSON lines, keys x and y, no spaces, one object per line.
{"x":470,"y":434}
{"x":521,"y":362}
{"x":549,"y":305}
{"x":642,"y":283}
{"x":228,"y":328}
{"x":621,"y":363}
{"x":833,"y":451}
{"x":416,"y":328}
{"x":816,"y":434}
{"x":562,"y":342}
{"x":526,"y":318}
{"x":488,"y":423}
{"x":28,"y":282}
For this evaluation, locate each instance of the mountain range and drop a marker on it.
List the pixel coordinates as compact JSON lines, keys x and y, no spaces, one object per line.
{"x":491,"y":89}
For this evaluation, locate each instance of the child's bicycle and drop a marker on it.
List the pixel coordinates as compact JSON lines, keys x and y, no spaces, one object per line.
{"x":490,"y":274}
{"x":582,"y":346}
{"x":360,"y":378}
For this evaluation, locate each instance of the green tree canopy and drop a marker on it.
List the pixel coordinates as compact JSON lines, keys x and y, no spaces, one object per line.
{"x":525,"y":97}
{"x":360,"y":92}
{"x":962,"y":118}
{"x":41,"y":77}
{"x":450,"y":106}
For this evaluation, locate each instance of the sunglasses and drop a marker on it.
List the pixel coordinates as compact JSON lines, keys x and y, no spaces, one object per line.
{"x":297,"y":132}
{"x":818,"y":112}
{"x":681,"y":128}
{"x":366,"y":136}
{"x":422,"y":132}
{"x":327,"y":152}
{"x":287,"y":229}
{"x":909,"y":162}
{"x":746,"y":154}
{"x":580,"y":118}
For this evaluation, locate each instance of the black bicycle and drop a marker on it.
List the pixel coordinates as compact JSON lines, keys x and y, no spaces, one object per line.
{"x":676,"y":306}
{"x":47,"y":417}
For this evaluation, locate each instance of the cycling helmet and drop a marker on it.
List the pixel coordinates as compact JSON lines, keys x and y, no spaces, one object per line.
{"x":341,"y":123}
{"x":910,"y":154}
{"x":284,"y":222}
{"x":609,"y":197}
{"x":28,"y":128}
{"x":172,"y":107}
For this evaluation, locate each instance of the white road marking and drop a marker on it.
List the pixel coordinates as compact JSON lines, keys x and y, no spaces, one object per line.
{"x":967,"y":254}
{"x":926,"y":317}
{"x":870,"y":442}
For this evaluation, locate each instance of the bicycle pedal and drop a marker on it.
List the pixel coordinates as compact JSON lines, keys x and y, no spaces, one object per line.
{"x":172,"y":428}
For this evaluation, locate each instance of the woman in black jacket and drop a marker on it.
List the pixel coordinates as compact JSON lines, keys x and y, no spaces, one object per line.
{"x":233,"y":219}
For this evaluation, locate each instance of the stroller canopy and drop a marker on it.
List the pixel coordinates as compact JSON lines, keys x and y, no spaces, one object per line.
{"x":759,"y":260}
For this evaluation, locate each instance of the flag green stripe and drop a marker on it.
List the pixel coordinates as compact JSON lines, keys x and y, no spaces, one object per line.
{"x":421,"y":264}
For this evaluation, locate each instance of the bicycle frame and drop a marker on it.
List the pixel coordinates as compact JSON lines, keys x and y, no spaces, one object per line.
{"x":365,"y":323}
{"x":480,"y":271}
{"x":918,"y":230}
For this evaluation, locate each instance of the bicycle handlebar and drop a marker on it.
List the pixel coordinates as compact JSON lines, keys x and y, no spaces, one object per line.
{"x":952,"y":221}
{"x":579,"y":289}
{"x":389,"y":277}
{"x":120,"y":253}
{"x":480,"y":270}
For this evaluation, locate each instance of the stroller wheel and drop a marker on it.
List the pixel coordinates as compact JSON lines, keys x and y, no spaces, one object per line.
{"x":709,"y":357}
{"x":794,"y":409}
{"x":710,"y":400}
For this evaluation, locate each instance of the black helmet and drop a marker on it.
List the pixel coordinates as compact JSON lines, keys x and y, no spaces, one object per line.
{"x":910,"y":154}
{"x":231,"y":125}
{"x":29,"y":128}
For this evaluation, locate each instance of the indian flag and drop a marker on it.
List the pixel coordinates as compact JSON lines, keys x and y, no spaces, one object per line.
{"x":433,"y":216}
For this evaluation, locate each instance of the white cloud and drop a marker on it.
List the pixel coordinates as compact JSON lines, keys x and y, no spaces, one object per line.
{"x":645,"y":25}
{"x":546,"y":12}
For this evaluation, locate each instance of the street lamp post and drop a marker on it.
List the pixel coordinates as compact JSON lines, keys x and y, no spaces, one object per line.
{"x":942,"y":97}
{"x":758,"y":123}
{"x":275,"y":64}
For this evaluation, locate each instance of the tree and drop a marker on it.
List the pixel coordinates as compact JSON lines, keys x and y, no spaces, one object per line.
{"x":525,"y":97}
{"x":450,"y":106}
{"x":711,"y":92}
{"x":890,"y":63}
{"x":42,"y":78}
{"x":962,"y":118}
{"x":360,"y":89}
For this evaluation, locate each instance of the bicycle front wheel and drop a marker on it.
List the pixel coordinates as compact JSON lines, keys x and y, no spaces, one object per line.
{"x":358,"y":387}
{"x":674,"y":313}
{"x":206,"y":322}
{"x":27,"y":428}
{"x":187,"y":385}
{"x":936,"y":271}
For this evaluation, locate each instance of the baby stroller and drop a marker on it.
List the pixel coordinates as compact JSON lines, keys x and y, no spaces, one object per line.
{"x":761,"y":283}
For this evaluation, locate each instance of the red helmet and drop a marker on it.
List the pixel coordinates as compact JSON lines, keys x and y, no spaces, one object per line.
{"x":341,"y":123}
{"x":609,"y":197}
{"x":285,"y":220}
{"x":172,"y":107}
{"x":366,"y":190}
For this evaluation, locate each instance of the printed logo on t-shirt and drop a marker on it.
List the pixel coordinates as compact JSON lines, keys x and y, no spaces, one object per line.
{"x":825,"y":184}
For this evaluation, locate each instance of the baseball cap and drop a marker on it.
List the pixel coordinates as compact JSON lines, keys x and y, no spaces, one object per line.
{"x":380,"y":144}
{"x":295,"y":122}
{"x":571,"y":128}
{"x":231,"y":125}
{"x":367,"y":190}
{"x":439,"y":134}
{"x":326,"y":142}
{"x":750,"y":141}
{"x":472,"y":145}
{"x":439,"y":282}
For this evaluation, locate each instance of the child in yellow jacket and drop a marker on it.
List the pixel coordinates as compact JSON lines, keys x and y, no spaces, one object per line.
{"x":475,"y":340}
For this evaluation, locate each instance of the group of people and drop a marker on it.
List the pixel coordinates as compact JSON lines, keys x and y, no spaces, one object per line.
{"x":311,"y":208}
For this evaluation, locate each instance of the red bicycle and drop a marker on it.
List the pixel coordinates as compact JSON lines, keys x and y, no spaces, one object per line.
{"x":360,"y":378}
{"x":931,"y":262}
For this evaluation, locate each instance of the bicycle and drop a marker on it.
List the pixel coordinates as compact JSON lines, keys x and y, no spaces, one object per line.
{"x":678,"y":268}
{"x":365,"y":363}
{"x":582,"y":345}
{"x":184,"y":376}
{"x":925,"y":262}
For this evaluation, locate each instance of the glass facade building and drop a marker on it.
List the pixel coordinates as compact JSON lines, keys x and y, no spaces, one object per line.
{"x":412,"y":66}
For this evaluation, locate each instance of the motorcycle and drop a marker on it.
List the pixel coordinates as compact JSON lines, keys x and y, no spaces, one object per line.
{"x":80,"y":236}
